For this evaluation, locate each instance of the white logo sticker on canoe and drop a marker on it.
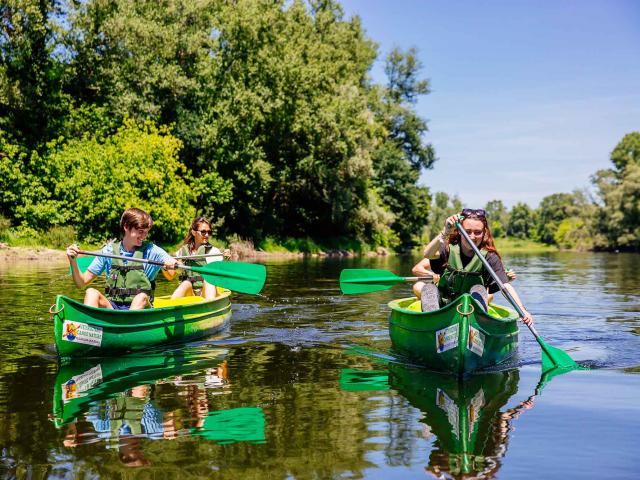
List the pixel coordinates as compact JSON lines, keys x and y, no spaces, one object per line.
{"x":78,"y":384}
{"x":476,"y":341}
{"x":447,"y":338}
{"x":81,"y":333}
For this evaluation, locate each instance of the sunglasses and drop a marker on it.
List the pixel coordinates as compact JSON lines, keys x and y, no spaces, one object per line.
{"x":477,"y":212}
{"x":204,"y":232}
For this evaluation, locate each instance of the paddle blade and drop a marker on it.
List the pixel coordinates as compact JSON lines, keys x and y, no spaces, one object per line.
{"x":365,"y":280}
{"x":236,"y":276}
{"x":83,"y":263}
{"x":553,"y":357}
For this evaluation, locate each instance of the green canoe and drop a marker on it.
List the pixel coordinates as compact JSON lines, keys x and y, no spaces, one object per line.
{"x":80,"y":330}
{"x":459,"y":338}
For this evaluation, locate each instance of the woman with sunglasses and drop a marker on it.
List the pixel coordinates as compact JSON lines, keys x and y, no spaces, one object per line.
{"x":195,"y":244}
{"x":455,"y":269}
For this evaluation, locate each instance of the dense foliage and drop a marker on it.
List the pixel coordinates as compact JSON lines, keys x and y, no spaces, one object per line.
{"x":257,"y":113}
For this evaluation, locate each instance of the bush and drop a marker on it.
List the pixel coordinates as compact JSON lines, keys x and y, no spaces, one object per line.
{"x":88,"y":182}
{"x":5,"y":225}
{"x":59,"y":237}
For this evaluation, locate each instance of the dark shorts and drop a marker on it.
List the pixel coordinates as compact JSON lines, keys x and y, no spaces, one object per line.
{"x":120,"y":306}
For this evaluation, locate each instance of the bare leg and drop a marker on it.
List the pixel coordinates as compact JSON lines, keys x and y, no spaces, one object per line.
{"x":417,"y":289}
{"x":95,"y":298}
{"x":140,"y":301}
{"x":185,"y":289}
{"x":209,"y":291}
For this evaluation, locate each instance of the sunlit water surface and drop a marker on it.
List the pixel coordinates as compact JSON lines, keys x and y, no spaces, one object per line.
{"x":304,"y":384}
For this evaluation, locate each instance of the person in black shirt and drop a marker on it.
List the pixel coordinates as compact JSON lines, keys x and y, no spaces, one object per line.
{"x":454,"y":267}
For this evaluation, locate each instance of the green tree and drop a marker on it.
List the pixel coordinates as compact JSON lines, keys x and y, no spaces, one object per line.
{"x":89,"y":183}
{"x":627,"y":152}
{"x":555,"y":208}
{"x":522,"y":222}
{"x":31,"y":100}
{"x":498,"y":217}
{"x":619,"y":191}
{"x":574,"y":233}
{"x":403,"y":154}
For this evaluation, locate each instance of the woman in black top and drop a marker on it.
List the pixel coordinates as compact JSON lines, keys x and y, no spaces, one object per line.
{"x":438,"y":262}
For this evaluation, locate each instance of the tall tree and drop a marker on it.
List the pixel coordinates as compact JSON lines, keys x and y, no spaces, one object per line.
{"x":619,"y":190}
{"x":404,"y":153}
{"x":31,"y":100}
{"x":555,"y":208}
{"x":522,"y":222}
{"x":498,"y":217}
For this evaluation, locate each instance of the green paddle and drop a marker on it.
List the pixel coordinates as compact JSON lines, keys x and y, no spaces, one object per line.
{"x":236,"y":276}
{"x":365,"y":280}
{"x":552,"y":357}
{"x":84,"y":262}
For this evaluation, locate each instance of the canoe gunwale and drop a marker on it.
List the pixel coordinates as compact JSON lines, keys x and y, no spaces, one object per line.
{"x":136,"y":319}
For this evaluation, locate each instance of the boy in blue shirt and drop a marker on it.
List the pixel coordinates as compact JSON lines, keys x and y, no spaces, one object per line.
{"x":130,"y":285}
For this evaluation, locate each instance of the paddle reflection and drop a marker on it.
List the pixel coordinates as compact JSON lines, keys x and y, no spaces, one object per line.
{"x":465,"y":417}
{"x":121,"y":401}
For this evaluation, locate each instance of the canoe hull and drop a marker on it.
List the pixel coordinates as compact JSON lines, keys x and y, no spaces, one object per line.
{"x":459,"y":338}
{"x":81,"y":331}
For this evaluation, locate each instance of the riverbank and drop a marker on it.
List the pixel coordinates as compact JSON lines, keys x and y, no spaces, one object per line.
{"x":517,"y":245}
{"x":244,"y":250}
{"x":237,"y":251}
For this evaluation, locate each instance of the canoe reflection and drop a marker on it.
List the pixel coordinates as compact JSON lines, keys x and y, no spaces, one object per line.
{"x":471,"y":431}
{"x":156,"y":395}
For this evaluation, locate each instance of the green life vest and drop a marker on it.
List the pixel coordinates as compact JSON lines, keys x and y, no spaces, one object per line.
{"x":126,"y":281}
{"x":196,"y":280}
{"x":457,"y":279}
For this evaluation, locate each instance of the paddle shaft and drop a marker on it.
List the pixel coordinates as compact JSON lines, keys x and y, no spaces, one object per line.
{"x":194,"y":257}
{"x":495,"y":277}
{"x":398,"y":279}
{"x":133,"y":259}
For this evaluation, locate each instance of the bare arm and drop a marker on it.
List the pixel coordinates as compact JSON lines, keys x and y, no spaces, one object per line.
{"x":423,"y":269}
{"x":432,"y":250}
{"x":81,"y":279}
{"x":528,"y":319}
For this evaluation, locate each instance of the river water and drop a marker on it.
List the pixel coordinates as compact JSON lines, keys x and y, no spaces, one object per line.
{"x":304,"y":385}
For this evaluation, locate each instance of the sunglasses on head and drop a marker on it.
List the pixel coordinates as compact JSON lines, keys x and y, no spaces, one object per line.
{"x":476,"y":212}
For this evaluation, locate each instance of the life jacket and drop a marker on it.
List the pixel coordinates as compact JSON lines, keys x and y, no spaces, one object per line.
{"x":457,"y":279}
{"x":195,"y":279}
{"x":126,"y":281}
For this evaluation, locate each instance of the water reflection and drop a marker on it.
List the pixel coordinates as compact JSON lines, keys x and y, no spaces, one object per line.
{"x":465,"y":419}
{"x":121,"y":401}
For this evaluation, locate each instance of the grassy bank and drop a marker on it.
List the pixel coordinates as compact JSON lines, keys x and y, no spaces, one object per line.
{"x":516,"y":245}
{"x":30,"y":244}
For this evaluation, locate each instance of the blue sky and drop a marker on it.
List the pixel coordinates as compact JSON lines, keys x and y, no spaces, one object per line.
{"x":528,"y":98}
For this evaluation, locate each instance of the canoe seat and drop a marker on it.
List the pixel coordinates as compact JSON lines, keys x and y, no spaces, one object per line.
{"x":166,"y":301}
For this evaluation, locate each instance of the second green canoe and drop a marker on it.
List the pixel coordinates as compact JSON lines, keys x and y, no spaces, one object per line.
{"x":458,"y":338}
{"x":82,"y":331}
